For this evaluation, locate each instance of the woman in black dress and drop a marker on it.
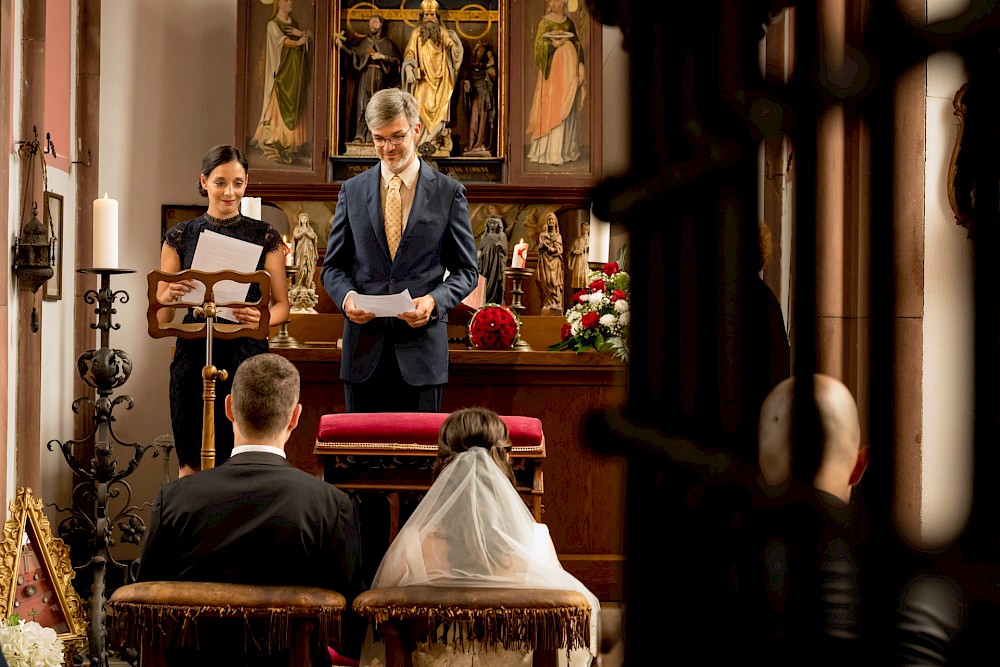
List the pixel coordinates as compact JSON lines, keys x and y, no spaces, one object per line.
{"x":224,"y":176}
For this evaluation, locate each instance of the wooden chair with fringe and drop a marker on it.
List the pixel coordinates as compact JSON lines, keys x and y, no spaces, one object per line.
{"x":188,"y":623}
{"x":540,"y":620}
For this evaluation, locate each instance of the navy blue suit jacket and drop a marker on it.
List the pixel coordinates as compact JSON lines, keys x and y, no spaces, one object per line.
{"x":438,"y":236}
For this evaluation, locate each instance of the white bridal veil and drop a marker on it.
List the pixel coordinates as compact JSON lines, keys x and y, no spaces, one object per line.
{"x":473,"y":529}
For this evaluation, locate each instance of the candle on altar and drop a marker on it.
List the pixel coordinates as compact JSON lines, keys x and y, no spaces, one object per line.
{"x":106,"y":233}
{"x":250,"y":207}
{"x":288,"y":248}
{"x":520,"y":257}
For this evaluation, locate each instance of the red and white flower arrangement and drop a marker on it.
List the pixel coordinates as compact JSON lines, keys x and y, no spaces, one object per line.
{"x":599,"y":318}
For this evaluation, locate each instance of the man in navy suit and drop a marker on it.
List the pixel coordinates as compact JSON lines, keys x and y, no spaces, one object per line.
{"x":257,"y":519}
{"x":400,"y":225}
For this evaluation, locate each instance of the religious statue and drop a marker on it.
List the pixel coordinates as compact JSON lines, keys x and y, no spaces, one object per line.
{"x":302,"y":293}
{"x":431,"y":62}
{"x":479,"y":94}
{"x":559,"y":90}
{"x":550,"y":266}
{"x":578,"y":256}
{"x":376,"y":58}
{"x":280,"y":134}
{"x":491,"y":254}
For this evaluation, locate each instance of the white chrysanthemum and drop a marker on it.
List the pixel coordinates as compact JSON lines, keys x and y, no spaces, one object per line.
{"x":622,"y":305}
{"x":608,"y":320}
{"x":574,"y":328}
{"x":573,"y":315}
{"x":30,"y":645}
{"x":624,"y":318}
{"x":595,"y":297}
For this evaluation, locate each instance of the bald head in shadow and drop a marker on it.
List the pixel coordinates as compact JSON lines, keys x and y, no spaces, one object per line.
{"x":832,"y":461}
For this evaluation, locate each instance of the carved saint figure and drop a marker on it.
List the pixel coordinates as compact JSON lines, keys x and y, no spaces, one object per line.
{"x":550,"y":265}
{"x":376,"y":58}
{"x":430,"y":68}
{"x":305,"y":253}
{"x":479,"y":95}
{"x":559,"y":89}
{"x":578,"y":256}
{"x":279,"y":134}
{"x":492,"y":256}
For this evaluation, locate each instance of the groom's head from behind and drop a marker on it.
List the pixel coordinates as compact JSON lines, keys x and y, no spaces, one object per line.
{"x":264,"y":402}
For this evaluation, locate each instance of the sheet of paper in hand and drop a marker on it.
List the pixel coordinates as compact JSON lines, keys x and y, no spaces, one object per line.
{"x":216,"y":252}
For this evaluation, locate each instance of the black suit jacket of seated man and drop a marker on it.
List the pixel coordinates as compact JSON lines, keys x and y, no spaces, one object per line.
{"x":257,"y":519}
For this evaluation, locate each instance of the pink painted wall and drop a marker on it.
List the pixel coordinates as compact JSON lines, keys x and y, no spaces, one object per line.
{"x":58,"y":41}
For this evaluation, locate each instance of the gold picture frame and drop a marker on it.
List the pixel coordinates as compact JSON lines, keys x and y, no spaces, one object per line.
{"x":52,"y":289}
{"x":35,"y":570}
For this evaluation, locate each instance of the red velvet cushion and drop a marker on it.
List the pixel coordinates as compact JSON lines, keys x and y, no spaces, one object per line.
{"x":420,"y":428}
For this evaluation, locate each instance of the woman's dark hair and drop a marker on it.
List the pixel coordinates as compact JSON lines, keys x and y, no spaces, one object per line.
{"x":219,"y":155}
{"x":474,"y":427}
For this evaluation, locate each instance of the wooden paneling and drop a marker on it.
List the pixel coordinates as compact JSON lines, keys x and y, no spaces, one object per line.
{"x":584,"y":497}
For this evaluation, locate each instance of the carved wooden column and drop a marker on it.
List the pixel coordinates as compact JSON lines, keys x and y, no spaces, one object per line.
{"x":87,"y":120}
{"x":6,"y":57}
{"x":29,"y":344}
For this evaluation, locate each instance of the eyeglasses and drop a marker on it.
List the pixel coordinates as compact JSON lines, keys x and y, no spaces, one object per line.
{"x":395,"y":139}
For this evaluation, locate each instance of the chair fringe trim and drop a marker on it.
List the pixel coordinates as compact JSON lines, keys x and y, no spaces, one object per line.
{"x":512,"y":629}
{"x":265,"y":629}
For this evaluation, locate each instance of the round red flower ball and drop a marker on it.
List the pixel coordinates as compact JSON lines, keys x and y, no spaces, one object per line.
{"x":618,"y":295}
{"x":597,"y":285}
{"x":565,"y":331}
{"x":589,"y":320}
{"x":611,"y":268}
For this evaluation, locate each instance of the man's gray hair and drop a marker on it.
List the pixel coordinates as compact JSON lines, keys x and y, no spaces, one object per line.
{"x":387,"y":105}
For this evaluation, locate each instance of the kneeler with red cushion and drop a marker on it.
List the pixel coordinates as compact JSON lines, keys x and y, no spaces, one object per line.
{"x":392,"y":452}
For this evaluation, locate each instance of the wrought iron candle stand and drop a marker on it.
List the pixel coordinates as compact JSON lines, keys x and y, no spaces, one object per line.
{"x":89,"y":528}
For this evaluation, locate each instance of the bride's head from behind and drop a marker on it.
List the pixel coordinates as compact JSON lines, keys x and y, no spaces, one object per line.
{"x":474,"y":427}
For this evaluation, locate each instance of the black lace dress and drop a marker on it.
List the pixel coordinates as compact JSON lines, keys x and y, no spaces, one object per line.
{"x":186,"y":401}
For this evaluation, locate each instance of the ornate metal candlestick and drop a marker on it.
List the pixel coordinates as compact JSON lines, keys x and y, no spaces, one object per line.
{"x":89,"y":528}
{"x":517,"y":276}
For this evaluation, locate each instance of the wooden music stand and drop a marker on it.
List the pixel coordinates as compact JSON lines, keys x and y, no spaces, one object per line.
{"x":209,"y":329}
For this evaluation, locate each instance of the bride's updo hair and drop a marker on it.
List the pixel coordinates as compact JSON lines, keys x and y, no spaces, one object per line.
{"x":474,"y":427}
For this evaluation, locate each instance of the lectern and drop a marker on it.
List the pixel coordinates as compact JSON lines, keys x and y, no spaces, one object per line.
{"x":208,"y":330}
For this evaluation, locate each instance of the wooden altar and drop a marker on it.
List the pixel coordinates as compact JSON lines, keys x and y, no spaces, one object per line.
{"x":584,"y":498}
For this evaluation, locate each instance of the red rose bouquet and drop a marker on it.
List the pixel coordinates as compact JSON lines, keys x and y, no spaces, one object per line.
{"x":494,"y":327}
{"x":599,"y":318}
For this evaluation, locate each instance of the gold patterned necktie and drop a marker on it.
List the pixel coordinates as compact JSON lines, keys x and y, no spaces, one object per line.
{"x":393,"y":215}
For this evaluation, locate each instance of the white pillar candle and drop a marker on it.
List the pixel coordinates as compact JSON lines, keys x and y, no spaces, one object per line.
{"x":520,"y":257}
{"x":106,"y":233}
{"x":250,"y":207}
{"x":600,"y":239}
